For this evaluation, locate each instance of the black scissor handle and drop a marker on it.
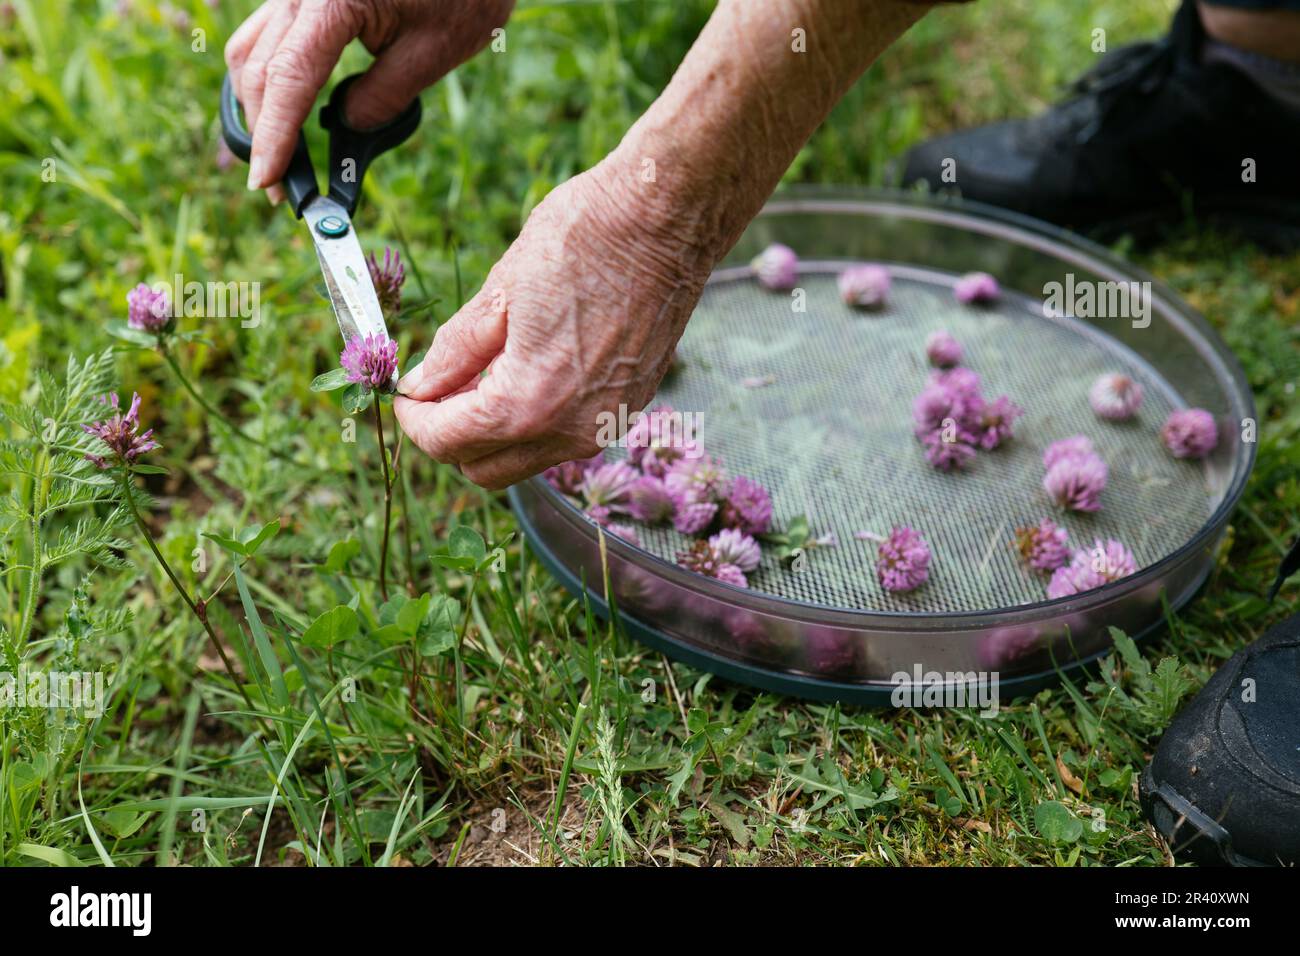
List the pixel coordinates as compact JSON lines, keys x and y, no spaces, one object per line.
{"x":299,"y":179}
{"x":352,"y":150}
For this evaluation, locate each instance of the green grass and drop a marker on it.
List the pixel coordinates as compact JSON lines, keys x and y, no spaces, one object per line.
{"x":539,"y":734}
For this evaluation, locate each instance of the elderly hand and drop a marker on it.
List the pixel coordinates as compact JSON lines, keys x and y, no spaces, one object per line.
{"x":580,"y":315}
{"x":281,"y":56}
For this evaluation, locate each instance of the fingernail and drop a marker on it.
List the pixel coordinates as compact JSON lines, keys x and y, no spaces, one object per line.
{"x":411,"y":379}
{"x":275,"y":193}
{"x":255,"y":172}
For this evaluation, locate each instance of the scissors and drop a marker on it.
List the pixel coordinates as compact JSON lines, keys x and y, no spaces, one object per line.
{"x":329,"y":217}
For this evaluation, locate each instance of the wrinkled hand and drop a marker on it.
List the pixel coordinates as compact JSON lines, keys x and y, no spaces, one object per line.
{"x":281,"y":56}
{"x":580,"y":314}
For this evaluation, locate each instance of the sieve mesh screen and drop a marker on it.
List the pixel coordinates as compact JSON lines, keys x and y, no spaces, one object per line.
{"x":831,"y":436}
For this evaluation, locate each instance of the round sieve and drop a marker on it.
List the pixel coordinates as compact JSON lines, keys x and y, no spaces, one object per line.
{"x":813,"y":399}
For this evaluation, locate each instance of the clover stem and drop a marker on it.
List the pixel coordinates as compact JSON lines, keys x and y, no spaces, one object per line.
{"x":388,"y":502}
{"x":200,"y":615}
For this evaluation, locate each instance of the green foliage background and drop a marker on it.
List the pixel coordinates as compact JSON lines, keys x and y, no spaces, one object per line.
{"x":532,"y":716}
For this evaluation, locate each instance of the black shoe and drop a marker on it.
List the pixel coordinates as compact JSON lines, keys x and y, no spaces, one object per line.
{"x":1224,"y":784}
{"x":1148,"y":136}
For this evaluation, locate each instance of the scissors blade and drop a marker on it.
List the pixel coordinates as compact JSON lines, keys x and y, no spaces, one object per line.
{"x":347,"y":277}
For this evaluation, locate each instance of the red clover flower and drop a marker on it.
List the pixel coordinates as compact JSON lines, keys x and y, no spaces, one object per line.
{"x":1092,"y":568}
{"x":777,"y":267}
{"x":605,"y":489}
{"x":370,"y":361}
{"x":904,"y":560}
{"x":864,"y":286}
{"x":148,"y":309}
{"x":1115,"y":396}
{"x":1190,"y":433}
{"x":942,"y":350}
{"x":388,"y":280}
{"x":976,"y":288}
{"x":747,"y":506}
{"x":1044,"y":545}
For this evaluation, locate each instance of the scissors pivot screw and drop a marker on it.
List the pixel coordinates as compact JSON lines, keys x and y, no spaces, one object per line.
{"x":332,"y":226}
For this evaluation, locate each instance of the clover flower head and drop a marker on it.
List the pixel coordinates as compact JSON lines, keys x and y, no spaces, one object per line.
{"x":148,"y":309}
{"x":703,"y":559}
{"x":568,"y":476}
{"x":1115,"y":396}
{"x":699,"y":479}
{"x":864,"y":286}
{"x":605,"y":489}
{"x":947,"y":455}
{"x":370,"y":361}
{"x":658,"y":438}
{"x":903,"y":560}
{"x":121,"y":433}
{"x":1044,"y":546}
{"x":777,"y":267}
{"x":1076,"y":446}
{"x":942,"y":350}
{"x":735,"y":547}
{"x":960,"y":382}
{"x":932,"y":408}
{"x":694,"y":517}
{"x":747,"y":506}
{"x":649,"y":500}
{"x":1190,"y":433}
{"x":976,"y":287}
{"x":991,"y":422}
{"x":1091,"y":568}
{"x":388,"y":279}
{"x":1076,"y":482}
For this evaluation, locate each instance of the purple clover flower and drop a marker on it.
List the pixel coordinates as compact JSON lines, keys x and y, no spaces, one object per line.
{"x":747,"y":506}
{"x":737,"y":548}
{"x":694,"y":517}
{"x":567,"y":477}
{"x":1076,"y":483}
{"x":960,"y":382}
{"x":1044,"y":545}
{"x":703,"y":559}
{"x":976,"y":287}
{"x":932,"y":408}
{"x":388,"y":280}
{"x":604,"y":490}
{"x":121,"y":433}
{"x":1190,"y":433}
{"x":1091,"y":568}
{"x":658,"y":439}
{"x":904,"y":560}
{"x":864,"y":286}
{"x":993,"y":421}
{"x":1115,"y":396}
{"x":942,"y":350}
{"x":649,"y":500}
{"x":948,"y":455}
{"x":1076,"y":446}
{"x":370,"y":361}
{"x":777,"y":267}
{"x":693,"y":480}
{"x":148,"y":309}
